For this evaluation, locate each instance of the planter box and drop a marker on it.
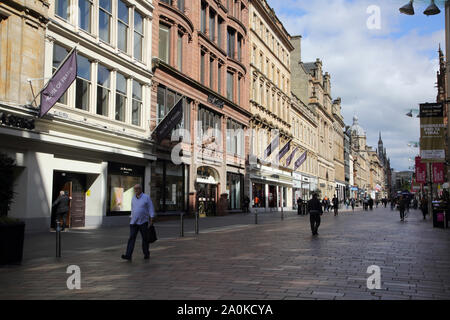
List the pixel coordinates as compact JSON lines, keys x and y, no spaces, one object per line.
{"x":11,"y":243}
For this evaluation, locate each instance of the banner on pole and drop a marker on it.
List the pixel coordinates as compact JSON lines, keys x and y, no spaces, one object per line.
{"x":170,"y":121}
{"x":438,"y":172}
{"x":284,"y":150}
{"x":300,"y":160}
{"x":432,"y":132}
{"x":421,"y":171}
{"x":61,"y":80}
{"x":291,"y":157}
{"x":272,"y":146}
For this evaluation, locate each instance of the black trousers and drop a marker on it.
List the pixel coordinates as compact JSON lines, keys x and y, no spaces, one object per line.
{"x":314,"y":219}
{"x":134,"y":229}
{"x":336,"y":211}
{"x":62,"y":216}
{"x":402,"y":214}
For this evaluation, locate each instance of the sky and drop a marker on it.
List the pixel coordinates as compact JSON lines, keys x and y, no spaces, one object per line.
{"x":380,"y":72}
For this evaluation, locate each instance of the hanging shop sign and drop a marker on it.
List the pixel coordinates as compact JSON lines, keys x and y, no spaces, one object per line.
{"x":421,"y":171}
{"x":432,"y":132}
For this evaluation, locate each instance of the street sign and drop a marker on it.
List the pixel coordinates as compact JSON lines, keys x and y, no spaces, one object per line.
{"x":432,"y":132}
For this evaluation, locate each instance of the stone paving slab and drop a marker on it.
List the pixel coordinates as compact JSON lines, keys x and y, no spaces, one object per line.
{"x":232,"y":258}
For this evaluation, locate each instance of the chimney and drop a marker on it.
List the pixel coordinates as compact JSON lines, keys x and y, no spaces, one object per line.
{"x":296,"y":55}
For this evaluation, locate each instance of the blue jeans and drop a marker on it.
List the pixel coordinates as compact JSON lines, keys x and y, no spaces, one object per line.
{"x":134,"y":229}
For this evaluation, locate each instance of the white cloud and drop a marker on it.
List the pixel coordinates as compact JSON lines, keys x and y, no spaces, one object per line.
{"x":379,"y":74}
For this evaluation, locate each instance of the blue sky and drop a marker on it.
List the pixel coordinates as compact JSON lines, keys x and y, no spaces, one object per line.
{"x":378,"y":73}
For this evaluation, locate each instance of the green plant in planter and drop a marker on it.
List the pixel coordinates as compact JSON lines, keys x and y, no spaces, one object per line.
{"x":7,"y":166}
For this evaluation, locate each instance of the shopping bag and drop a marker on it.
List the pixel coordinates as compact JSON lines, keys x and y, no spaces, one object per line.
{"x":152,"y":234}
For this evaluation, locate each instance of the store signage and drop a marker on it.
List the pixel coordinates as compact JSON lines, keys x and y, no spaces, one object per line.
{"x":300,"y":160}
{"x":291,"y":157}
{"x":272,"y":146}
{"x":170,"y":121}
{"x":284,"y":150}
{"x":219,"y":103}
{"x":438,"y":172}
{"x":421,"y":171}
{"x":59,"y":83}
{"x":16,"y":121}
{"x":432,"y":132}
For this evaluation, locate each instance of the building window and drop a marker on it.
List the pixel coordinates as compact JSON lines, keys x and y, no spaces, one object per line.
{"x":136,"y":104}
{"x":210,"y":124}
{"x":239,"y":48}
{"x":180,"y":52}
{"x":138,"y":35}
{"x":202,"y":68}
{"x":166,"y":100}
{"x":219,"y":32}
{"x":104,"y":20}
{"x":83,"y":83}
{"x":59,"y":54}
{"x":180,"y":5}
{"x":230,"y":43}
{"x":85,"y":14}
{"x":212,"y":25}
{"x":211,"y":73}
{"x":219,"y":79}
{"x":230,"y":86}
{"x":235,"y":138}
{"x":62,"y":8}
{"x":203,"y":18}
{"x":121,"y":97}
{"x":239,"y":90}
{"x":103,"y":90}
{"x":122,"y":26}
{"x":164,"y":42}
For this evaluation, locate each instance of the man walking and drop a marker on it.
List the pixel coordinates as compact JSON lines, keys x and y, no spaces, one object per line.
{"x":353,"y":204}
{"x":142,"y":211}
{"x":62,"y":208}
{"x":335,"y":205}
{"x":315,"y":211}
{"x":402,"y":207}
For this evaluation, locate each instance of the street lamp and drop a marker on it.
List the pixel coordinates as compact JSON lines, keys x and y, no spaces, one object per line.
{"x":431,"y":10}
{"x":408,"y":8}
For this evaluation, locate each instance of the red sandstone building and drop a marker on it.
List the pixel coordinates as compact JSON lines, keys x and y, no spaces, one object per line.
{"x":201,"y":55}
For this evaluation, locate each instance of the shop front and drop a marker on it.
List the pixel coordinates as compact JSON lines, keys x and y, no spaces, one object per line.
{"x":121,"y":180}
{"x":168,"y":187}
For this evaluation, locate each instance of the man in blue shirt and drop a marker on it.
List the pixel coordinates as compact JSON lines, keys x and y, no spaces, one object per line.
{"x":142,"y":211}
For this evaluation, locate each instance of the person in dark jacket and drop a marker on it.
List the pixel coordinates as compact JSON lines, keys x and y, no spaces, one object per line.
{"x":62,"y":205}
{"x":300,"y":206}
{"x":424,"y":207}
{"x":402,"y":207}
{"x":335,"y":205}
{"x":315,"y":211}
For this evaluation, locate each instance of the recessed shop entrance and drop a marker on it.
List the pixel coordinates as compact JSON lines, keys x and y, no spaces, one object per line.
{"x":206,"y":186}
{"x":74,"y":184}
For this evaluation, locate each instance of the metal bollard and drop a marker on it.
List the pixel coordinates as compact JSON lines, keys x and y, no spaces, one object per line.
{"x":256,"y":216}
{"x":282,"y":213}
{"x":182,"y":224}
{"x":58,"y":239}
{"x":196,"y":222}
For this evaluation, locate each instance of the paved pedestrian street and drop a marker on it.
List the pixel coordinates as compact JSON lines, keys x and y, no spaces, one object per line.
{"x":232,"y":258}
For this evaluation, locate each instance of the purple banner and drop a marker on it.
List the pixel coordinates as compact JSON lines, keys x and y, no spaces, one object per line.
{"x":291,"y":156}
{"x":170,"y":121}
{"x":272,"y":146}
{"x":300,"y":160}
{"x":59,"y":83}
{"x":284,"y":150}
